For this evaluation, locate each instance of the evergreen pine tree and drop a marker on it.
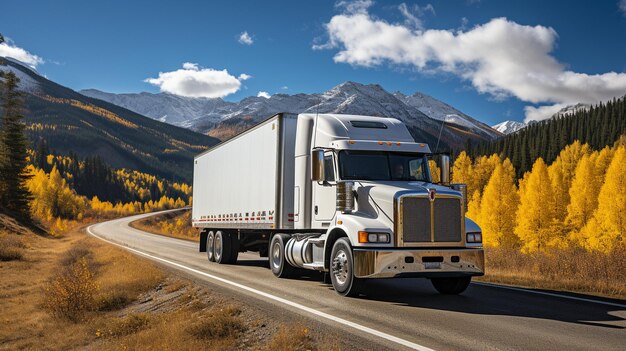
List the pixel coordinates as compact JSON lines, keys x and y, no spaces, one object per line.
{"x":13,"y":172}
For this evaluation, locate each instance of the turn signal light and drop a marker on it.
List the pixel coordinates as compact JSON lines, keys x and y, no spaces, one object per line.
{"x":474,"y":238}
{"x":365,"y":237}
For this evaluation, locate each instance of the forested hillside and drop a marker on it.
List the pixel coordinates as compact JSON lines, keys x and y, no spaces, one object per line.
{"x":72,"y":123}
{"x":599,"y":126}
{"x":56,"y":189}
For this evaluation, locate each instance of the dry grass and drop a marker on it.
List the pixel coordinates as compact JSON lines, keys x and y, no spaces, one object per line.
{"x":174,"y":224}
{"x":296,"y":338}
{"x":136,"y":306}
{"x":71,"y":293}
{"x":122,"y":277}
{"x":223,"y":323}
{"x":11,"y":247}
{"x":565,"y":270}
{"x":127,"y":325}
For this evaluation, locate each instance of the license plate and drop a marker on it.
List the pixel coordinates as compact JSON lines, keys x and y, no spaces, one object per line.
{"x":432,"y":265}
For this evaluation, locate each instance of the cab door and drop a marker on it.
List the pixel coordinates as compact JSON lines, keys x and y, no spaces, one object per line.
{"x":325,"y":195}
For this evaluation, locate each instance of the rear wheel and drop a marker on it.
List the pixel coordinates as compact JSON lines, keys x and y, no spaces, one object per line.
{"x":210,"y":246}
{"x":342,"y":269}
{"x":223,"y":247}
{"x":278,"y":264}
{"x":451,"y":286}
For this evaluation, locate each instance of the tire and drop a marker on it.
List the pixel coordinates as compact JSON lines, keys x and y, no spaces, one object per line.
{"x":223,"y":247}
{"x":451,"y":286}
{"x":276,"y":252}
{"x":342,"y":269}
{"x":210,"y":246}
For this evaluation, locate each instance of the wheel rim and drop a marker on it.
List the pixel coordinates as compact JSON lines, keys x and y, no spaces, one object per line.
{"x":210,"y":244}
{"x":341,"y":267}
{"x":218,"y":247}
{"x":276,"y":260}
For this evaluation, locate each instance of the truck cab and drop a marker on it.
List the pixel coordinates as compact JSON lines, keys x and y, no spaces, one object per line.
{"x":383,"y":216}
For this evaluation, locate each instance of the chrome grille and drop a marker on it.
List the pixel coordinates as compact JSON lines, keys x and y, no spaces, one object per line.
{"x":447,"y":219}
{"x":417,"y":219}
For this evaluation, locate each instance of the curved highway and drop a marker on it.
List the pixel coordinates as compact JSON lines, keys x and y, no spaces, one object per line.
{"x":399,"y":314}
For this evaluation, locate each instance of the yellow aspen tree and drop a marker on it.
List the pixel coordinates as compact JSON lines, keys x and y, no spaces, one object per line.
{"x":560,"y":190}
{"x":434,"y":171}
{"x":602,"y":162}
{"x":607,"y":227}
{"x":462,"y":171}
{"x":498,"y":206}
{"x":473,"y":207}
{"x":568,"y":160}
{"x":535,"y":215}
{"x":583,"y":197}
{"x":483,"y":168}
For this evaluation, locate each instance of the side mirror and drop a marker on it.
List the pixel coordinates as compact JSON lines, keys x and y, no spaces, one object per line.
{"x":317,"y":165}
{"x":443,"y":162}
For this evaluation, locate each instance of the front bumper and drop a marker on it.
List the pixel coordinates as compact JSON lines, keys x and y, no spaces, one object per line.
{"x":389,"y":263}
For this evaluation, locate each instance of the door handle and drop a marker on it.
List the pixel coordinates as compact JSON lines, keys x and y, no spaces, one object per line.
{"x":315,"y":209}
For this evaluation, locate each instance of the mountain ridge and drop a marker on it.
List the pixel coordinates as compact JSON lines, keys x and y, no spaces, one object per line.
{"x":225,"y":119}
{"x":70,"y":122}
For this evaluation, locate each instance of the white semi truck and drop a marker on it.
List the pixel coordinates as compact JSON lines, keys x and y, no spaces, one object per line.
{"x":351,"y":196}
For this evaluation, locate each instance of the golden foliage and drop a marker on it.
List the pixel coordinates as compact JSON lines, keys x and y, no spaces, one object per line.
{"x":71,"y":293}
{"x":607,"y":227}
{"x":579,"y":201}
{"x":498,"y":205}
{"x":52,"y":197}
{"x":98,"y":111}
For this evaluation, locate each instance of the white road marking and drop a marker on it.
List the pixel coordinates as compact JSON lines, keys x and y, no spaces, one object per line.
{"x":310,"y":310}
{"x":550,"y":294}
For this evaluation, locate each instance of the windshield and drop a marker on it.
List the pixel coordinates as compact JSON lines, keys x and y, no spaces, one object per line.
{"x":379,"y":165}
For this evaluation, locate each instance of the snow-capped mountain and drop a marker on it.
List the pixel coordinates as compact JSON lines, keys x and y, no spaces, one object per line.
{"x":439,"y":110}
{"x":169,"y":108}
{"x":219,"y":118}
{"x":27,"y":83}
{"x":508,"y":127}
{"x":572,"y":109}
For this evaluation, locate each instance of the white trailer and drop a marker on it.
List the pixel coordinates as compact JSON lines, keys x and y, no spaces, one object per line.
{"x":347,"y":195}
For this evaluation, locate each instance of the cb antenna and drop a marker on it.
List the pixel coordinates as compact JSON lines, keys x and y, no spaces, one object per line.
{"x":443,"y":121}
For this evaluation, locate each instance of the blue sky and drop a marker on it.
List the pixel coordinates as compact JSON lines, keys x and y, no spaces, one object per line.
{"x":456,"y":51}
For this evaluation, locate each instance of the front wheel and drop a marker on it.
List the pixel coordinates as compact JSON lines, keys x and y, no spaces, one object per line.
{"x":278,"y":264}
{"x":342,"y":269}
{"x":451,"y":286}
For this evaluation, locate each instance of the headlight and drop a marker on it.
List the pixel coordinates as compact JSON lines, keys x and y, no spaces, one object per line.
{"x":365,"y":237}
{"x":474,"y":238}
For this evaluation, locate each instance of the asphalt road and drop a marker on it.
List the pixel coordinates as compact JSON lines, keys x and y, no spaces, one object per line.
{"x":399,"y":313}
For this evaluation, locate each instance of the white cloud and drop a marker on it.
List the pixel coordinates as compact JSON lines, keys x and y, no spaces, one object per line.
{"x":622,"y":6}
{"x":500,"y":58}
{"x":195,"y":81}
{"x":17,"y":53}
{"x":284,"y":87}
{"x":542,"y":112}
{"x":245,"y":38}
{"x":190,"y":66}
{"x":244,"y":76}
{"x":263,"y":94}
{"x":413,"y":16}
{"x":354,"y":6}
